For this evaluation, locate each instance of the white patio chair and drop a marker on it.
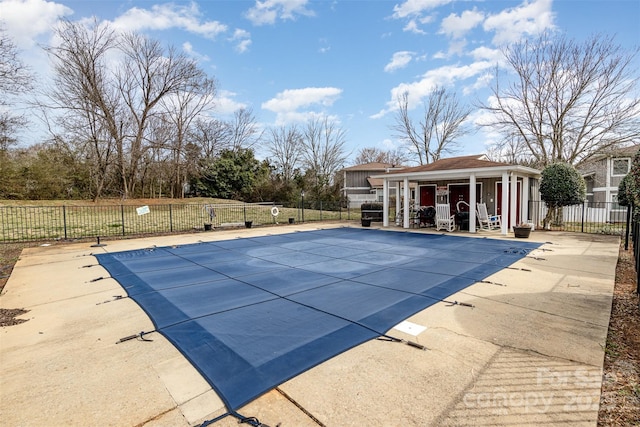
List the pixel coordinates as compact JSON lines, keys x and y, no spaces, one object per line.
{"x":444,"y":219}
{"x":486,"y":221}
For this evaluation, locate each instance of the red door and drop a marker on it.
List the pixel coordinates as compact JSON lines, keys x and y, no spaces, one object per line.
{"x":428,"y":195}
{"x":460,"y":193}
{"x":499,"y":202}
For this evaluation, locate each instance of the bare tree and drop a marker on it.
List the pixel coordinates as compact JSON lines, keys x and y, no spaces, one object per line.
{"x":323,"y":151}
{"x":120,"y":80}
{"x":285,"y":148}
{"x":244,"y":132}
{"x":376,"y":155}
{"x":84,"y":100}
{"x":439,"y":131}
{"x":181,"y":110}
{"x":148,"y":75}
{"x":212,"y":136}
{"x":568,"y":99}
{"x":15,"y":79}
{"x":511,"y":150}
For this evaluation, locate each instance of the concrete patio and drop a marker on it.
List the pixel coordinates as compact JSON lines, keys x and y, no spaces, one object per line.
{"x":529,"y":352}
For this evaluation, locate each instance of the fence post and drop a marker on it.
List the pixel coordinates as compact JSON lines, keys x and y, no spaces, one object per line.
{"x":626,"y":231}
{"x":582,"y":225}
{"x":64,"y":220}
{"x":122,"y":217}
{"x":170,"y":218}
{"x":636,"y":253}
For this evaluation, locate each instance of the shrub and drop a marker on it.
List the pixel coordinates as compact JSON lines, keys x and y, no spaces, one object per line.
{"x":626,"y":191}
{"x":561,"y":185}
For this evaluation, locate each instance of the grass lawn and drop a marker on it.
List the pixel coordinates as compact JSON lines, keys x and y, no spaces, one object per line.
{"x":76,"y":219}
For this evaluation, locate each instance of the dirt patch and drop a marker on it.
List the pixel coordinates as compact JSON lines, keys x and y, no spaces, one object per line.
{"x":8,"y":316}
{"x":9,"y":254}
{"x":620,"y":397}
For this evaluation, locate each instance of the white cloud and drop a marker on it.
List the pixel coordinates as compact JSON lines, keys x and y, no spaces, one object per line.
{"x":529,"y":18}
{"x":484,"y":53}
{"x":242,"y":39}
{"x":456,"y":47}
{"x":416,"y":7}
{"x":399,"y":60}
{"x":243,"y":46}
{"x":166,"y":16}
{"x":481,"y":82}
{"x":456,"y":26}
{"x":415,"y":13}
{"x":325,"y":46}
{"x":287,"y":104}
{"x":188,"y":48}
{"x":443,"y":76}
{"x":293,"y":99}
{"x":269,"y":11}
{"x":26,"y":20}
{"x":412,"y":27}
{"x":225,"y":104}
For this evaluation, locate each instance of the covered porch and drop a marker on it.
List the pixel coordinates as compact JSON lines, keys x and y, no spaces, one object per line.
{"x":461,"y":182}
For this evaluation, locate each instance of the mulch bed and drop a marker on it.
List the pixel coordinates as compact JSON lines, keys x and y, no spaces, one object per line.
{"x":620,"y":398}
{"x":8,"y":316}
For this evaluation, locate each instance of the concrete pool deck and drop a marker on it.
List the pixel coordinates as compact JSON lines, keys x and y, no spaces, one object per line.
{"x":529,"y":352}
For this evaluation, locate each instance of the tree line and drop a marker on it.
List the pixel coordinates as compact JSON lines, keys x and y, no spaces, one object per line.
{"x":129,"y":117}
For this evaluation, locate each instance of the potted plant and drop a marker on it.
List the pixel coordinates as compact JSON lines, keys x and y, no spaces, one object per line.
{"x":522,"y":230}
{"x":365,"y":221}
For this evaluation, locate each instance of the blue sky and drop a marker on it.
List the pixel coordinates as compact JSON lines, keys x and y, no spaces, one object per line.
{"x":289,"y":60}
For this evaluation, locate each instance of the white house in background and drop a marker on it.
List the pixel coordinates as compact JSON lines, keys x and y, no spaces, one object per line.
{"x":603,"y":174}
{"x":469,"y":179}
{"x":359,"y":187}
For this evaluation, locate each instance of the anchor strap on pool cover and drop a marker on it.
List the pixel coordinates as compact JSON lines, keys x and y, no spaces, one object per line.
{"x":251,"y":313}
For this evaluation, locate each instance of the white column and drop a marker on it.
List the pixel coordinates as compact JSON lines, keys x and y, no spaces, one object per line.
{"x":525,"y":199}
{"x":405,"y":222}
{"x":472,"y":203}
{"x":505,"y":203}
{"x":385,"y":202}
{"x":398,"y":198}
{"x":514,"y":199}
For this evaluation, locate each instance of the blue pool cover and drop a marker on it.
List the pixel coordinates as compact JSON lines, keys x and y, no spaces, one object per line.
{"x":251,"y":313}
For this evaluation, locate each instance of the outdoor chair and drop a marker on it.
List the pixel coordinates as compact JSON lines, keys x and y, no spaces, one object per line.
{"x":444,"y":219}
{"x":486,"y":221}
{"x":427,"y":215}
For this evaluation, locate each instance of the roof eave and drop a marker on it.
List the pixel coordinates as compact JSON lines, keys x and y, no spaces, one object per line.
{"x":485,"y":172}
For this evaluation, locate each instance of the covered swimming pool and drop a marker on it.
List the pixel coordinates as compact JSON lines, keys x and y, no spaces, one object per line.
{"x":250,"y":313}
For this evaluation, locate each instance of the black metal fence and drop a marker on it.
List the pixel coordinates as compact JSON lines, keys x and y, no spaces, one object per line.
{"x":588,"y":217}
{"x":34,"y":223}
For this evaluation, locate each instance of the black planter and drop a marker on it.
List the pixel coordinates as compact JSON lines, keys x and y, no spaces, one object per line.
{"x":522,"y":232}
{"x":366,"y":222}
{"x":248,"y":224}
{"x":292,"y":220}
{"x":207,"y":227}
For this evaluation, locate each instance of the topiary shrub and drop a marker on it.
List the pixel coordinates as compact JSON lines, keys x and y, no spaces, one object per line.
{"x":626,"y":191}
{"x":561,"y":185}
